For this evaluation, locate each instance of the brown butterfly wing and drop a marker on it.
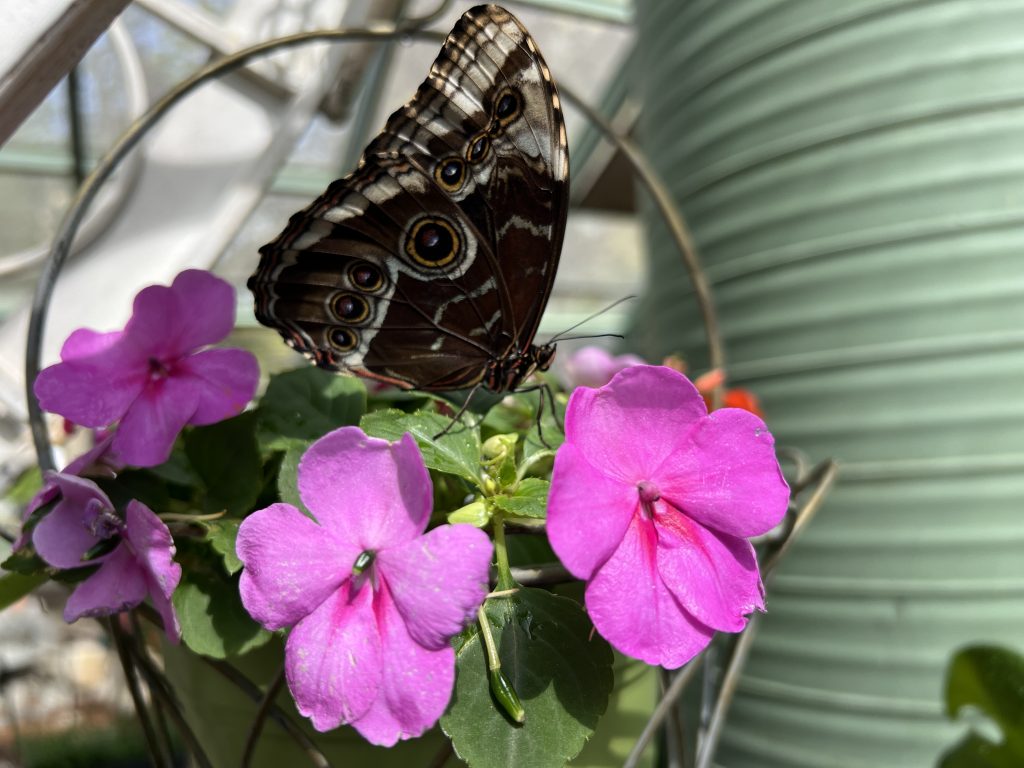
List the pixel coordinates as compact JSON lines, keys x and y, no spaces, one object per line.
{"x":435,"y":257}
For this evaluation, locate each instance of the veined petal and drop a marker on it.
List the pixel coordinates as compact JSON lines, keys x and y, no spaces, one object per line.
{"x":153,"y":329}
{"x":67,"y":531}
{"x":292,"y":565}
{"x":628,"y":427}
{"x":438,"y":580}
{"x":633,"y":609}
{"x":119,"y":584}
{"x":96,"y":381}
{"x":366,"y":491}
{"x":333,"y":659}
{"x":724,"y":475}
{"x":209,"y":304}
{"x":151,"y":542}
{"x":148,"y":430}
{"x":416,"y":683}
{"x":714,"y":576}
{"x":226,"y":382}
{"x":89,"y":346}
{"x":588,"y":512}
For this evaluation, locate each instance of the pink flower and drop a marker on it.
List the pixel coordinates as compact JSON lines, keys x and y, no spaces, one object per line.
{"x":97,"y":461}
{"x":594,"y":367}
{"x":140,"y":564}
{"x":154,"y":377}
{"x":651,"y":501}
{"x":371,"y":599}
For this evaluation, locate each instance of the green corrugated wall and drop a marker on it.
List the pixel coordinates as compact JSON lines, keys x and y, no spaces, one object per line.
{"x":853,"y":173}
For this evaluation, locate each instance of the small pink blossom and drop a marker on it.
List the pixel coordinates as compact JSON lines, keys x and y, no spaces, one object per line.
{"x":140,"y":565}
{"x":652,"y":500}
{"x":594,"y":367}
{"x":372,"y":600}
{"x":155,"y":376}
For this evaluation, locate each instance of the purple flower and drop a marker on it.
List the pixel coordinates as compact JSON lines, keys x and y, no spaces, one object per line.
{"x":99,"y":460}
{"x":140,"y":564}
{"x":153,"y":377}
{"x":651,"y":501}
{"x":373,"y":601}
{"x":594,"y":367}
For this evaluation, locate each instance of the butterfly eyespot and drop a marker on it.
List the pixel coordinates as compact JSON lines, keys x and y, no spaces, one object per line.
{"x":365,"y":276}
{"x":342,"y":339}
{"x":478,"y":149}
{"x":450,"y":173}
{"x":350,"y":308}
{"x":506,"y":108}
{"x":433,"y":242}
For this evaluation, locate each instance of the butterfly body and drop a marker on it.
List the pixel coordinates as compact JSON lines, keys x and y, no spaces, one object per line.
{"x":429,"y":266}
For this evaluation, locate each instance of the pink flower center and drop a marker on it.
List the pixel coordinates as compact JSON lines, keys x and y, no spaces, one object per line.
{"x":649,"y":492}
{"x":157,"y":370}
{"x":364,"y":561}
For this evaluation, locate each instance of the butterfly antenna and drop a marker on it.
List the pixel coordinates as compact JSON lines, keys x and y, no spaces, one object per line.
{"x":613,"y":305}
{"x":592,"y":336}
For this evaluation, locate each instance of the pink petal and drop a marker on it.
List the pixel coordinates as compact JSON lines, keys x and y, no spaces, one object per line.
{"x":635,"y":612}
{"x":65,"y":533}
{"x":96,"y":381}
{"x":85,"y":345}
{"x":724,"y":475}
{"x":333,"y":659}
{"x":151,"y":542}
{"x":366,"y":491}
{"x":438,"y":581}
{"x":714,"y":576}
{"x":226,"y":382}
{"x":416,"y":683}
{"x":588,"y":512}
{"x":118,"y":585}
{"x":291,"y":565}
{"x":209,"y":304}
{"x":169,"y":322}
{"x":628,"y":427}
{"x":148,"y":431}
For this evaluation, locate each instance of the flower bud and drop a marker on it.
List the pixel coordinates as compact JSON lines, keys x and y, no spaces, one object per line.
{"x":475,"y":513}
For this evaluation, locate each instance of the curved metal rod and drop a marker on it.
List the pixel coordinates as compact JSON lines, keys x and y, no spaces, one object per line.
{"x":677,"y":228}
{"x":90,"y":188}
{"x":261,"y":716}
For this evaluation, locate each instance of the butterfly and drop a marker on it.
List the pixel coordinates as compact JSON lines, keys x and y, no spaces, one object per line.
{"x":429,"y":266}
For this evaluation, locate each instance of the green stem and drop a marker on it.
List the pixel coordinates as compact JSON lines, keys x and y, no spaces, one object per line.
{"x":500,"y":686}
{"x":505,"y":580}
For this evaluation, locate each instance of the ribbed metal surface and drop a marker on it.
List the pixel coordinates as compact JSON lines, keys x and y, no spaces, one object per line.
{"x":854,"y":177}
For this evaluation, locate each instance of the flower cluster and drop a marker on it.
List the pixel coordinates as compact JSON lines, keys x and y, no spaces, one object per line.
{"x":651,"y":502}
{"x":142,"y":385}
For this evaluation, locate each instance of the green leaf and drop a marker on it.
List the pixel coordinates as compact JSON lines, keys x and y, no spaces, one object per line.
{"x":288,"y":477}
{"x":529,"y":500}
{"x":975,"y":751}
{"x":562,"y":676}
{"x":26,"y":486}
{"x":222,"y":535}
{"x":25,"y":562}
{"x":213,"y":621}
{"x":456,"y":452}
{"x":138,"y":484}
{"x":226,"y":456}
{"x":306,"y":404}
{"x":990,"y":679}
{"x":14,"y":586}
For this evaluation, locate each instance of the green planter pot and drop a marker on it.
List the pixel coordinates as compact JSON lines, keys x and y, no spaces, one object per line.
{"x":853,"y":175}
{"x":221,"y":717}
